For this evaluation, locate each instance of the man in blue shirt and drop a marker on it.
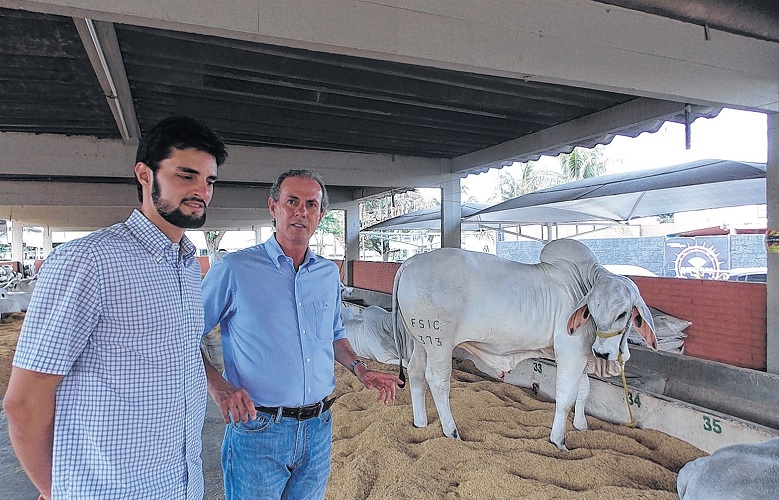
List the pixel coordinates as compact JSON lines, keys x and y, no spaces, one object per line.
{"x":279,"y":305}
{"x":107,"y":395}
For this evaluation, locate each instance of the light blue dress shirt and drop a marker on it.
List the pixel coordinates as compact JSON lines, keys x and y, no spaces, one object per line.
{"x":120,"y":315}
{"x":278,"y":326}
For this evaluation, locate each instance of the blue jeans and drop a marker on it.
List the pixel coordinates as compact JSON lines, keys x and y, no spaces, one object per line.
{"x":289,"y":459}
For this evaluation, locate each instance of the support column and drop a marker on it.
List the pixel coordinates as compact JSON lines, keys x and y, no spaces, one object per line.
{"x":47,"y":246}
{"x":451,"y":214}
{"x":352,"y":239}
{"x":262,"y":233}
{"x":772,"y":206}
{"x":17,"y":238}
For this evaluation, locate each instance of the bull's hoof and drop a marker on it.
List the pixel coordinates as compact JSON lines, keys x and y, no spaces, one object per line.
{"x":580,"y":425}
{"x":454,"y":435}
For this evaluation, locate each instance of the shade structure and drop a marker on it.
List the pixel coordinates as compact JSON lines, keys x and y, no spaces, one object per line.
{"x":698,"y":185}
{"x":427,"y":218}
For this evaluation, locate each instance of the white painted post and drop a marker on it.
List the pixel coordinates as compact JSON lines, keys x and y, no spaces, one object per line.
{"x":47,"y":246}
{"x":352,"y":239}
{"x":772,"y":206}
{"x":451,"y":213}
{"x":17,"y":238}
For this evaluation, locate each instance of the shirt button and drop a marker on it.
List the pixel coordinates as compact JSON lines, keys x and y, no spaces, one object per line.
{"x":308,"y":360}
{"x":304,"y":331}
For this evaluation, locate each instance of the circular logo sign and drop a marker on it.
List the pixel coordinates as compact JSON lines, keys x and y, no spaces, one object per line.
{"x":699,"y":262}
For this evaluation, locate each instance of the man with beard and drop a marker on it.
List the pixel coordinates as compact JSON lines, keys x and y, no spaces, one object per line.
{"x":107,"y":394}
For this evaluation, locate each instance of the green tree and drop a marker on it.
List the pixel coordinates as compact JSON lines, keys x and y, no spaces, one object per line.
{"x":583,"y":163}
{"x":213,"y":238}
{"x":380,"y":209}
{"x":530,"y":178}
{"x":332,"y":223}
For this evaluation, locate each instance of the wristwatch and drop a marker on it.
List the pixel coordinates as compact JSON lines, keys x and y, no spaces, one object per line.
{"x":355,"y":363}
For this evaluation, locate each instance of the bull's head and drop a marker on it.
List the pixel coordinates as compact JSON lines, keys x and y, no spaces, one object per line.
{"x":613,"y":305}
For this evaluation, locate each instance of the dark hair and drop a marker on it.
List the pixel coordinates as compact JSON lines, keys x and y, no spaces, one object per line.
{"x":179,"y":132}
{"x":308,"y":174}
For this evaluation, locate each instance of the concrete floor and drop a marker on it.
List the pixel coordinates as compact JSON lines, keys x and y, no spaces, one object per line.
{"x":14,"y":484}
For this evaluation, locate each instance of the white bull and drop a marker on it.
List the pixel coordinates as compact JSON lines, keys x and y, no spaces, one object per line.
{"x":736,"y":472}
{"x":504,"y":312}
{"x":371,"y":334}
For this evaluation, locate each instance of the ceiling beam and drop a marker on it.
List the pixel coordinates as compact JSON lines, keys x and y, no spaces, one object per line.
{"x":102,"y":47}
{"x":53,"y":155}
{"x":70,"y":218}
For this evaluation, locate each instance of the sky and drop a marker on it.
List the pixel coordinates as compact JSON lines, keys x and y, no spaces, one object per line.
{"x":731,"y":135}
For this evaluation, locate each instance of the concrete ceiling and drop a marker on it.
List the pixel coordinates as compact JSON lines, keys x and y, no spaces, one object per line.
{"x":375,"y":95}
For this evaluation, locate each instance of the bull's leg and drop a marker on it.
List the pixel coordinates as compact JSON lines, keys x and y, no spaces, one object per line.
{"x":579,"y":419}
{"x":439,"y":377}
{"x":416,"y":376}
{"x":569,"y":371}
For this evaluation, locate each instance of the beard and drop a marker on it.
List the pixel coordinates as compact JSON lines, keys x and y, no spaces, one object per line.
{"x":175,"y":216}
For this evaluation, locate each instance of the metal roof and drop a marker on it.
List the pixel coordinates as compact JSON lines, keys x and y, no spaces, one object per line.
{"x":379,"y":105}
{"x":256,"y":94}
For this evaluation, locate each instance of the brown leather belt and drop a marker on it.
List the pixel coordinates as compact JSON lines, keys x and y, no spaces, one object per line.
{"x":301,"y":413}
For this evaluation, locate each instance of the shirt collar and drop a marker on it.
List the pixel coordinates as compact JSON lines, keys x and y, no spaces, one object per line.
{"x":277,"y":254}
{"x":154,"y":241}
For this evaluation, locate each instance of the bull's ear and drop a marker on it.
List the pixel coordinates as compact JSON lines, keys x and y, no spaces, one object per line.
{"x":645,"y":328}
{"x":579,"y":317}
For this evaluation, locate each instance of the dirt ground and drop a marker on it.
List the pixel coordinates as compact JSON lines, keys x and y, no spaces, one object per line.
{"x":505,"y":452}
{"x":10,"y":325}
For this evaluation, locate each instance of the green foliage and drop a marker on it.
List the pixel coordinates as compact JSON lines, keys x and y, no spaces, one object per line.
{"x":583,"y":163}
{"x":531,"y":178}
{"x":380,"y":209}
{"x":332,"y":223}
{"x":665,"y":218}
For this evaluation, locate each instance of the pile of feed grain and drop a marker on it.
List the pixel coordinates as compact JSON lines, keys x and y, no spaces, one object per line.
{"x":10,"y":326}
{"x":505,"y":452}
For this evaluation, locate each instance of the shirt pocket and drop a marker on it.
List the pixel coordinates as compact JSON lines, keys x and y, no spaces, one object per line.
{"x":323,"y":312}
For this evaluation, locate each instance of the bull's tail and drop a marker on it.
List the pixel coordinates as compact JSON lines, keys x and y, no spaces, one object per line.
{"x":399,"y":328}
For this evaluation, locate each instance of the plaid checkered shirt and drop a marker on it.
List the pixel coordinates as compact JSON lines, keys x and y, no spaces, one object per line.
{"x":119,"y":313}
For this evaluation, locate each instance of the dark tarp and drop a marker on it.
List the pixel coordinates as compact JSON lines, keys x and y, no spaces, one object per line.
{"x":428,"y":218}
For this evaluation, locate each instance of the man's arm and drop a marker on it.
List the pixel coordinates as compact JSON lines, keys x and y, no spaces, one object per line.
{"x":29,"y":406}
{"x":385,"y":383}
{"x":231,"y":400}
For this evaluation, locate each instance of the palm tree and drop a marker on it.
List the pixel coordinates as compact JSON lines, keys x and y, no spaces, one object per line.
{"x":583,"y":163}
{"x":530,"y":178}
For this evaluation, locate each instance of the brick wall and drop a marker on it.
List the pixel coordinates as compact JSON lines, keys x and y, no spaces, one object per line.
{"x":205,"y":264}
{"x":377,"y":276}
{"x":728,"y":318}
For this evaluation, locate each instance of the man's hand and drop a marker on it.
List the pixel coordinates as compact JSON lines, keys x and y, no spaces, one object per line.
{"x":232,"y":401}
{"x":385,"y":383}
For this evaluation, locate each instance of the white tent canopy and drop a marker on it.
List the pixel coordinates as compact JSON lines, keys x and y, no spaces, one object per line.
{"x":697,"y":185}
